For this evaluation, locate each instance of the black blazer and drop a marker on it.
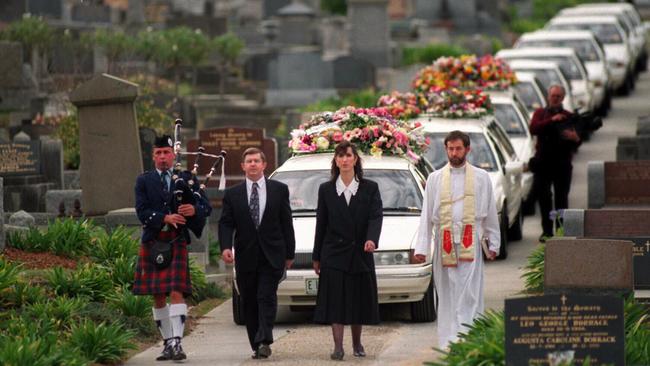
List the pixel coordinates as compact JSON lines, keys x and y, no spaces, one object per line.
{"x":152,"y":204}
{"x":275,"y":236}
{"x":342,"y":230}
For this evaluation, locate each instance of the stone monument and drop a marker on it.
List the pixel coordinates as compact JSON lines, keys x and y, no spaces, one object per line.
{"x":111,"y":157}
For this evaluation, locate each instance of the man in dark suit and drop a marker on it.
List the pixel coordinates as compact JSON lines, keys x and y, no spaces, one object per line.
{"x":166,"y":220}
{"x":258,"y":215}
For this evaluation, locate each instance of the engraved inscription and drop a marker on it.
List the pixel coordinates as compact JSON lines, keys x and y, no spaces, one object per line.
{"x":626,"y":183}
{"x":19,"y":158}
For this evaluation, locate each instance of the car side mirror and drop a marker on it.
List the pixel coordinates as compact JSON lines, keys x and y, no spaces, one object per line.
{"x":514,"y":167}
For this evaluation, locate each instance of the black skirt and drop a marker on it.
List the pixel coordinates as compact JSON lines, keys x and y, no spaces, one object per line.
{"x":346,"y":298}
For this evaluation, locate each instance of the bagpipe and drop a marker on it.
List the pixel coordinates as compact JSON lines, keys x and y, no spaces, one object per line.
{"x":187,"y":189}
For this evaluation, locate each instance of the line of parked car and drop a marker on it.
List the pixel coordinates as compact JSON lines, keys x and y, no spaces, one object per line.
{"x":593,"y":50}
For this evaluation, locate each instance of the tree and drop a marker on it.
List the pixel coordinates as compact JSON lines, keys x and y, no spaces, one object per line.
{"x":228,"y":47}
{"x":35,"y":35}
{"x":77,"y":48}
{"x":174,"y":49}
{"x":116,"y":44}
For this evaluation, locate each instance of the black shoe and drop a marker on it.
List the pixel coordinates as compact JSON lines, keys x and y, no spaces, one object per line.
{"x":166,"y":353}
{"x":359,"y":351}
{"x":337,"y":355}
{"x":177,"y":352}
{"x":264,"y":351}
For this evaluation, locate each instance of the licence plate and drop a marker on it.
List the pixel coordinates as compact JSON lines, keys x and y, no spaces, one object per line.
{"x":311,"y":286}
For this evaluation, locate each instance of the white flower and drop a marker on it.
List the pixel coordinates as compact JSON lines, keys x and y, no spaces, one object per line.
{"x":322,"y":143}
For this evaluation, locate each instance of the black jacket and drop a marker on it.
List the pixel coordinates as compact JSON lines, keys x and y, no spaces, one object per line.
{"x":152,"y":204}
{"x":342,"y":230}
{"x":275,"y":236}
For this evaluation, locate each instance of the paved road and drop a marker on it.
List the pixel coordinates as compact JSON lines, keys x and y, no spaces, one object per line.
{"x":217,"y":341}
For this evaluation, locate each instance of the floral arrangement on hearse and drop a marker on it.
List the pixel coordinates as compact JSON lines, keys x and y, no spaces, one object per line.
{"x":373,"y":130}
{"x":438,"y":102}
{"x":464,"y":72}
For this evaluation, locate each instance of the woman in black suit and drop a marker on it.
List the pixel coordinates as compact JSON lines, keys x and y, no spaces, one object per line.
{"x":348,"y":224}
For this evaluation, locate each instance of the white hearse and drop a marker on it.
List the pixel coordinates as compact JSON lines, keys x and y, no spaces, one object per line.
{"x":548,"y":73}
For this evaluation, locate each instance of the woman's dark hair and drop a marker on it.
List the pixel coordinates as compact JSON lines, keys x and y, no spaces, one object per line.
{"x":340,"y":150}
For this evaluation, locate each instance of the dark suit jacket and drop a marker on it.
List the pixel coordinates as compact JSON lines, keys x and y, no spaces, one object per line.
{"x":342,"y":230}
{"x":275,"y":236}
{"x":152,"y":204}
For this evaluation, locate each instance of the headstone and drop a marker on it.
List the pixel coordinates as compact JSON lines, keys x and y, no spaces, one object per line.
{"x":45,"y":8}
{"x":109,"y":143}
{"x":11,"y":65}
{"x":91,"y":13}
{"x":2,"y":217}
{"x":135,"y":12}
{"x":271,"y":7}
{"x":565,"y":329}
{"x":21,"y":218}
{"x":369,"y":31}
{"x":587,"y":265}
{"x":620,"y":183}
{"x":334,"y":35}
{"x":643,"y":125}
{"x":463,"y":14}
{"x":20,"y":158}
{"x":428,"y":9}
{"x":52,"y":161}
{"x":643,"y":147}
{"x":353,"y":73}
{"x":54,"y":198}
{"x":11,"y":10}
{"x":234,"y":140}
{"x":626,"y":148}
{"x":147,"y":139}
{"x":297,"y":25}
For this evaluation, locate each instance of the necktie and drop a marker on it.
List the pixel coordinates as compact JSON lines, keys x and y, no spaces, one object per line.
{"x":254,"y":206}
{"x":163,"y":181}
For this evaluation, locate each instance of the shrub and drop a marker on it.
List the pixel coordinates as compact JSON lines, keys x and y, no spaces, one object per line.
{"x":32,"y":240}
{"x":637,"y":333}
{"x":60,"y":310}
{"x":69,"y":237}
{"x":8,"y":274}
{"x":17,"y":351}
{"x":68,"y":132}
{"x":362,"y":99}
{"x":428,"y":54}
{"x":91,"y":281}
{"x":131,"y":305}
{"x":117,"y":243}
{"x":534,"y":271}
{"x":122,"y":270}
{"x":23,"y":294}
{"x":103,"y":343}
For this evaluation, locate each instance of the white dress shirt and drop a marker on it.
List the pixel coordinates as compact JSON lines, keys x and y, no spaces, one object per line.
{"x":348,"y":191}
{"x":261,"y":193}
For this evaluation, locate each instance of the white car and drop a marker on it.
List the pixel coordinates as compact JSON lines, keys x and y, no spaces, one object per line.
{"x":636,"y":34}
{"x":512,"y":116}
{"x":492,"y":151}
{"x":589,"y":50}
{"x":568,"y":61}
{"x":531,"y":91}
{"x":548,"y":73}
{"x":611,"y":34}
{"x":399,"y":279}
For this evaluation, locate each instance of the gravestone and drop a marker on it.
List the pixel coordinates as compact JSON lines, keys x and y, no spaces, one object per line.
{"x":91,"y":13}
{"x":51,"y":158}
{"x":22,"y":219}
{"x":271,"y":7}
{"x":20,"y":158}
{"x":147,"y":139}
{"x":588,"y":265}
{"x":428,"y":9}
{"x":370,"y":31}
{"x":463,"y":14}
{"x":334,"y":35}
{"x":2,"y":217}
{"x":544,"y":330}
{"x":54,"y":198}
{"x":621,"y":183}
{"x":631,"y":225}
{"x":353,"y":73}
{"x":111,"y":157}
{"x":297,"y":25}
{"x":45,"y":8}
{"x":11,"y":65}
{"x":234,"y":140}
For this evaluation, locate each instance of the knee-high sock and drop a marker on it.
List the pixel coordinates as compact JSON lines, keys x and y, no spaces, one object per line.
{"x":177,"y":314}
{"x":161,"y":317}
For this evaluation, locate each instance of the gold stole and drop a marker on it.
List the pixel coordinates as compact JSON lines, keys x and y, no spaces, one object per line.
{"x":449,"y":254}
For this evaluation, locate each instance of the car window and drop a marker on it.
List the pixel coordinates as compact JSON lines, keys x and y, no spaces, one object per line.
{"x":528,"y":94}
{"x":480,"y":155}
{"x":502,"y":159}
{"x":398,"y":188}
{"x":585,"y":49}
{"x":547,"y":77}
{"x":503,"y":140}
{"x":607,"y":33}
{"x":509,"y":119}
{"x":565,"y":63}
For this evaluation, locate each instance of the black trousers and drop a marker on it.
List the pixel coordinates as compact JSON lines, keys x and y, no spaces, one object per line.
{"x":558,"y":177}
{"x":259,"y":294}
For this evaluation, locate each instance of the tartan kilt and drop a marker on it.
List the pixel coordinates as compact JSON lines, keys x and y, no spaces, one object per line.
{"x":176,"y":277}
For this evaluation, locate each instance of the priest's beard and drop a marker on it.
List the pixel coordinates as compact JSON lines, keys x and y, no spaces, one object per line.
{"x":457,"y":162}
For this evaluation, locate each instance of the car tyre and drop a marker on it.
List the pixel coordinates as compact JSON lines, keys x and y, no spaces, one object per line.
{"x":503,"y":251}
{"x":515,"y":232}
{"x":424,"y":311}
{"x":237,"y":307}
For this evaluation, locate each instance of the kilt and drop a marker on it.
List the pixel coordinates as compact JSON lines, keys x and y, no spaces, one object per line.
{"x":176,"y":277}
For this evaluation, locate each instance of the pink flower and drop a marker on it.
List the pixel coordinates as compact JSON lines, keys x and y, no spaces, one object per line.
{"x":337,"y":136}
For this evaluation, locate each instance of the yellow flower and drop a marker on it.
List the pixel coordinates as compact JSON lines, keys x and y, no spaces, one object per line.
{"x":376,"y":151}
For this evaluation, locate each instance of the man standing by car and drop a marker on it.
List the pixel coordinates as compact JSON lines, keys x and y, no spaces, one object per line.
{"x":557,"y":140}
{"x":459,"y":208}
{"x":258,"y":215}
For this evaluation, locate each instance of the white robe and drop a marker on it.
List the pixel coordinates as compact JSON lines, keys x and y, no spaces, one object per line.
{"x":460,"y":289}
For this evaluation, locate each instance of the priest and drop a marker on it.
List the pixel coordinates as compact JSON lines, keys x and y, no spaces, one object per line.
{"x":459,"y":218}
